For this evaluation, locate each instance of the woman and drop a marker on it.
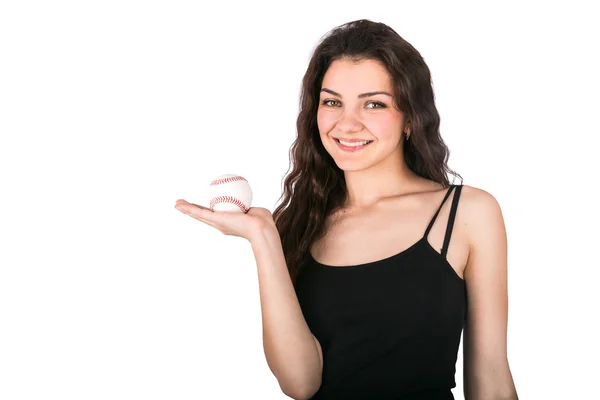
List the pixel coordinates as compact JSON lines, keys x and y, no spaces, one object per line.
{"x":363,"y":294}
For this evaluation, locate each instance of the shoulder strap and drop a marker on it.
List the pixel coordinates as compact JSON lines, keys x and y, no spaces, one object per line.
{"x":438,"y":211}
{"x":451,"y":220}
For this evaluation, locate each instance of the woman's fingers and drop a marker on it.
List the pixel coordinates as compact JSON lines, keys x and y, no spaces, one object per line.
{"x":236,"y":224}
{"x":196,"y":205}
{"x":193,"y":209}
{"x":202,"y":214}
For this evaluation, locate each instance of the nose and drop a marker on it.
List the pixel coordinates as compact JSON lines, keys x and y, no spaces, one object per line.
{"x":349,"y":122}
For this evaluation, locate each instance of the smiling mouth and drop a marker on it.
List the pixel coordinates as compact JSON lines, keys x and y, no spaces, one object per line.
{"x":352,"y":142}
{"x":352,"y":146}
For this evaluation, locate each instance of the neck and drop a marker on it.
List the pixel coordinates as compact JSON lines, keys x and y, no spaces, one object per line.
{"x":367,"y":187}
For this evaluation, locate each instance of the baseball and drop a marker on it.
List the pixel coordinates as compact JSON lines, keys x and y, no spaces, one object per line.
{"x":230,"y":193}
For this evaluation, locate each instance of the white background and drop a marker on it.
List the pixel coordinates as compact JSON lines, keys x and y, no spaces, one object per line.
{"x":111,"y":111}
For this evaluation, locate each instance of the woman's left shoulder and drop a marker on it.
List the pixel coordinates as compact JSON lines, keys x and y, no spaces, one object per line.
{"x":480,"y":211}
{"x":479,"y":198}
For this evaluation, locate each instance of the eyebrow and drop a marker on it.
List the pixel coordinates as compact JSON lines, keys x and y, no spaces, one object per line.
{"x":360,"y":96}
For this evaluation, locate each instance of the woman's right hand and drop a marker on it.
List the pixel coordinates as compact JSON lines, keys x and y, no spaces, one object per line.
{"x":247,"y":225}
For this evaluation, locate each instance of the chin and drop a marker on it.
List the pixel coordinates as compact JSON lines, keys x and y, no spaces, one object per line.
{"x":352,"y":166}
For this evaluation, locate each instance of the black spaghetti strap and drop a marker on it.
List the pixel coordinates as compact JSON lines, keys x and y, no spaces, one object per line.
{"x":438,"y":211}
{"x":451,"y":220}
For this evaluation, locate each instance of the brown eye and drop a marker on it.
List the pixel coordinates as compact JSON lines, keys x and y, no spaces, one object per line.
{"x":378,"y":104}
{"x":326,"y":102}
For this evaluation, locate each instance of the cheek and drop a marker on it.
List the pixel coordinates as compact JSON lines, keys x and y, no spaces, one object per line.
{"x":325,"y":121}
{"x":387,"y":127}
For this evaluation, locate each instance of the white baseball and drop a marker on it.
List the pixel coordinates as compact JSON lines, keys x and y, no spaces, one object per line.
{"x":230,"y":193}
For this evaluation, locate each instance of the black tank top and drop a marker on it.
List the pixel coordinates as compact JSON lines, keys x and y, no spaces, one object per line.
{"x":389,"y":329}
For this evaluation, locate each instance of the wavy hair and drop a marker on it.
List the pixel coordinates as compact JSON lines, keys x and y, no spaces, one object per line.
{"x":316,"y":186}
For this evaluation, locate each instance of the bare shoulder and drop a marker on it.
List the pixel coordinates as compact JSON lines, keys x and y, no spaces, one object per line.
{"x":477,"y":197}
{"x":481,"y":212}
{"x":486,"y":234}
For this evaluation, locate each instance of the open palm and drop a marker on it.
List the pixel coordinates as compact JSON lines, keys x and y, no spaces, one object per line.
{"x":230,"y":223}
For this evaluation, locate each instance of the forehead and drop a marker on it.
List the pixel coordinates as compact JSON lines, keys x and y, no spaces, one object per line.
{"x":357,"y":76}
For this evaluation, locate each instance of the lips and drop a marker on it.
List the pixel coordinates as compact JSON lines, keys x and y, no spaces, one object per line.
{"x":353,"y":140}
{"x":352,"y":148}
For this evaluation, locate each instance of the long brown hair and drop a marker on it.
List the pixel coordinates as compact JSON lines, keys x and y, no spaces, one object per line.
{"x":316,"y":187}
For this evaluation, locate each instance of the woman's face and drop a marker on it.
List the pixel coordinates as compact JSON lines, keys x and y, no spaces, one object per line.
{"x":352,"y":108}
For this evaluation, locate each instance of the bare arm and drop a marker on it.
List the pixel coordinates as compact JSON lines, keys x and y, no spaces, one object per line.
{"x":487,"y":374}
{"x":293,"y":354}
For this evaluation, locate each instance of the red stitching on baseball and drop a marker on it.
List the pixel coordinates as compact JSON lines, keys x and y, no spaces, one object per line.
{"x":228,"y":199}
{"x":227,"y":180}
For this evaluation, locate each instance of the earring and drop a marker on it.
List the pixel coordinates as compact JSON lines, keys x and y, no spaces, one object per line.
{"x":407,"y":134}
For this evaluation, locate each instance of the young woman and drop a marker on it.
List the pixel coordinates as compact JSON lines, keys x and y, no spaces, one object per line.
{"x":374,"y":263}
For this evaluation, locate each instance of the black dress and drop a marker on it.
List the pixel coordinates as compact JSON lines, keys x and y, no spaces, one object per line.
{"x":389,"y":329}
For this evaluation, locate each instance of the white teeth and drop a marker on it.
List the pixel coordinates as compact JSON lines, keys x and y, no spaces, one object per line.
{"x":354,"y":144}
